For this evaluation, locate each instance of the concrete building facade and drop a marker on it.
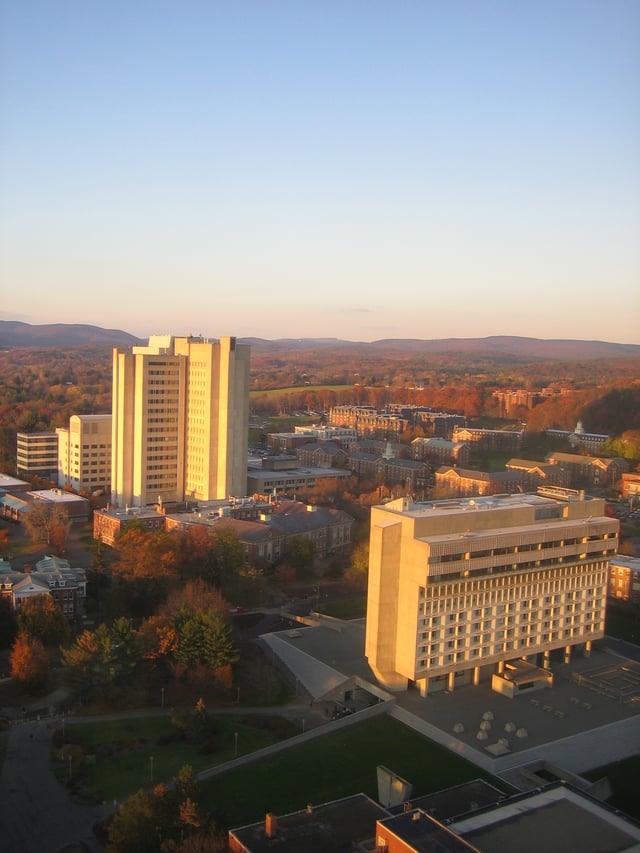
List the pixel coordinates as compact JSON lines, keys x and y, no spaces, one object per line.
{"x":37,"y":454}
{"x":460,"y":588}
{"x":180,"y":421}
{"x":84,"y":454}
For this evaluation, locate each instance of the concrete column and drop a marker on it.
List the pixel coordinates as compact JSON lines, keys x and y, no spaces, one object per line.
{"x":567,"y":654}
{"x":587,"y":649}
{"x":423,"y":687}
{"x":451,"y":681}
{"x":546,"y":659}
{"x":476,"y":676}
{"x":500,"y":667}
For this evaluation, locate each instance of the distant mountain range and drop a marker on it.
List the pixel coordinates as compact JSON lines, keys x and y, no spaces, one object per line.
{"x":15,"y":334}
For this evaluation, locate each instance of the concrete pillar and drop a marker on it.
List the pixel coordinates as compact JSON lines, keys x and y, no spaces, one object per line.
{"x":500,"y":667}
{"x":423,"y":687}
{"x":451,"y":681}
{"x":476,"y":676}
{"x":567,"y":654}
{"x":587,"y":649}
{"x":546,"y":661}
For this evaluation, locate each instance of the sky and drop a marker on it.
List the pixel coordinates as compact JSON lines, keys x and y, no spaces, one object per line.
{"x":354,"y":169}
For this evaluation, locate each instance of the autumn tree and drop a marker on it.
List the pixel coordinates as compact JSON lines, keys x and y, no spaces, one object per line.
{"x":142,"y":553}
{"x":167,"y":818}
{"x":229,"y":555}
{"x":205,"y":638}
{"x":195,"y":595}
{"x":102,"y":662}
{"x":29,"y":663}
{"x":49,"y":523}
{"x":359,"y":565}
{"x":301,"y":552}
{"x":41,"y":618}
{"x":197,"y":552}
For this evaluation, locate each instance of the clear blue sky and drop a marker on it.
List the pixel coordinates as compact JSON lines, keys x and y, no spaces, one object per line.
{"x":322,"y":168}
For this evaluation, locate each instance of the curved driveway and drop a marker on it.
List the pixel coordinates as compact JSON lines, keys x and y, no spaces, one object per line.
{"x":36,"y":814}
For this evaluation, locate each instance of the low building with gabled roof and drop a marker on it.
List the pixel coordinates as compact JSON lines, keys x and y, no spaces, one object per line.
{"x":464,"y":482}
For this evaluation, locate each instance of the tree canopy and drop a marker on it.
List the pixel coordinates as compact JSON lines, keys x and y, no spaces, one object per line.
{"x":29,"y":663}
{"x":41,"y":618}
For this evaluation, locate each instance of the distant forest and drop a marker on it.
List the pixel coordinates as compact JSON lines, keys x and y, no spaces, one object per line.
{"x":41,"y":387}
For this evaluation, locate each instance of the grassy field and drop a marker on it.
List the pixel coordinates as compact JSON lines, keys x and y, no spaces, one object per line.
{"x":130,"y":754}
{"x":623,"y":621}
{"x":295,"y":389}
{"x":355,"y":608}
{"x":335,"y":766}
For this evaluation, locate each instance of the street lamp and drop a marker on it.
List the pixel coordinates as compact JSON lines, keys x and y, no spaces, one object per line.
{"x":235,"y":737}
{"x":162,"y":697}
{"x":151,"y":769}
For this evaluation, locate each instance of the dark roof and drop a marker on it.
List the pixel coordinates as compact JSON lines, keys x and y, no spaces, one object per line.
{"x":454,"y":802}
{"x":485,"y":476}
{"x":295,"y":517}
{"x":424,"y":834}
{"x":332,"y":826}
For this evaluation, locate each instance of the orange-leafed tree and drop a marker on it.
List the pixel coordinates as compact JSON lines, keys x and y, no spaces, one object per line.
{"x":29,"y":663}
{"x":141,"y":553}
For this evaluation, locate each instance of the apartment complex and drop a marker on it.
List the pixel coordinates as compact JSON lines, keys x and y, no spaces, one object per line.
{"x":458,"y":589}
{"x":84,"y":453}
{"x":37,"y":454}
{"x":180,"y":421}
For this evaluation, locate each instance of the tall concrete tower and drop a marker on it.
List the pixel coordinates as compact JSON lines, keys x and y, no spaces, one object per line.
{"x":180,"y":421}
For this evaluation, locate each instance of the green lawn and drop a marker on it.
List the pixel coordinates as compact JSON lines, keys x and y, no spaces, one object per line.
{"x":294,"y":389}
{"x":623,"y":776}
{"x":325,"y":769}
{"x":332,"y":767}
{"x":354,"y":608}
{"x":124,"y":749}
{"x":623,"y":621}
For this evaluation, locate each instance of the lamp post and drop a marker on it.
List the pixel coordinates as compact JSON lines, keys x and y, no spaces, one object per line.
{"x":235,"y":737}
{"x":162,"y":697}
{"x":151,"y":769}
{"x":70,"y":767}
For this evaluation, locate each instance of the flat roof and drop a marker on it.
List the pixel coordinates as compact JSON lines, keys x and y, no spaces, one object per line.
{"x":131,"y":512}
{"x":556,"y":819}
{"x":301,"y":473}
{"x":485,"y":502}
{"x":458,"y":800}
{"x":424,"y":834}
{"x":330,"y":826}
{"x":57,"y":496}
{"x":7,"y":482}
{"x":570,"y":707}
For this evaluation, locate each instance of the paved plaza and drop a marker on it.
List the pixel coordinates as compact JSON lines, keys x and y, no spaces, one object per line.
{"x":589,"y":717}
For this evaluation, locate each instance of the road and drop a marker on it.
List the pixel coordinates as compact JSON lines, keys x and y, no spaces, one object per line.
{"x":36,"y":814}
